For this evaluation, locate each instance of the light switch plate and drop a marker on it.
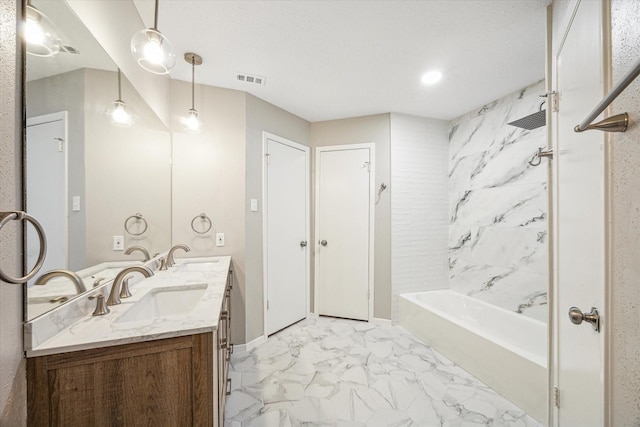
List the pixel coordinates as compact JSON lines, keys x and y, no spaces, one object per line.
{"x":219,"y":239}
{"x":254,"y":205}
{"x":75,"y":205}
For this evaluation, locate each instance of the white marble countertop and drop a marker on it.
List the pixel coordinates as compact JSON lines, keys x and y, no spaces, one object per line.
{"x":107,"y":330}
{"x":41,"y":299}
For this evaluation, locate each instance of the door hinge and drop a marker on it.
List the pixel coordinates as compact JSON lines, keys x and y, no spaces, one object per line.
{"x":556,"y":397}
{"x":60,"y":145}
{"x":552,"y":100}
{"x":268,"y":161}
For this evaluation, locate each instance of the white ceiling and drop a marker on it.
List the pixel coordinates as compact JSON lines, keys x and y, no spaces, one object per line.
{"x":333,"y":59}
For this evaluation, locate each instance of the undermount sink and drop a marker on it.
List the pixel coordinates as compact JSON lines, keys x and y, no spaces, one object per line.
{"x":164,"y":303}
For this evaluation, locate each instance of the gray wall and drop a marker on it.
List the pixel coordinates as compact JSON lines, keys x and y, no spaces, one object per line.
{"x":117,"y":171}
{"x":13,"y":384}
{"x":215,"y":172}
{"x":625,"y":231}
{"x":358,"y":130}
{"x":128,"y":170}
{"x":209,"y":177}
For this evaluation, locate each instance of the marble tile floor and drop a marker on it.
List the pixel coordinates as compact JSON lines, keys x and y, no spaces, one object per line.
{"x":335,"y":372}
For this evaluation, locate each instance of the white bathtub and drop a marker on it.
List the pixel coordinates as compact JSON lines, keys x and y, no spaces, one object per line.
{"x":505,"y":350}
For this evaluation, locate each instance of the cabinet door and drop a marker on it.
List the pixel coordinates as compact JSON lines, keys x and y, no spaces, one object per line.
{"x":163,"y":382}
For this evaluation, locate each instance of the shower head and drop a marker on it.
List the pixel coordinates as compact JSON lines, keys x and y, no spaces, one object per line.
{"x":532,"y":121}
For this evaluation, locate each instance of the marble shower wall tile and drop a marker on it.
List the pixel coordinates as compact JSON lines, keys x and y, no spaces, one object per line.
{"x":498,"y":206}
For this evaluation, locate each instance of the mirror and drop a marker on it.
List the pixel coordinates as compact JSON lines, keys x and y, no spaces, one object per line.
{"x":97,"y":188}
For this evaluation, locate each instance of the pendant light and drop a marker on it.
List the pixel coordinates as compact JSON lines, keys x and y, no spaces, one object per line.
{"x":119,"y":112}
{"x":40,"y":33}
{"x":192,"y":123}
{"x":152,"y":50}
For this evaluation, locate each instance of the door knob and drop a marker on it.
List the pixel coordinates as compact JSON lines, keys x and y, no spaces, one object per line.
{"x":303,"y":244}
{"x":577,"y":317}
{"x":323,"y":242}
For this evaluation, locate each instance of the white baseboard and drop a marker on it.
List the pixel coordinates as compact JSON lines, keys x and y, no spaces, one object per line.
{"x":251,"y":344}
{"x":378,"y":321}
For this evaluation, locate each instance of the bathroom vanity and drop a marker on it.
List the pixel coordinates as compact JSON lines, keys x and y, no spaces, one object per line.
{"x":159,"y":358}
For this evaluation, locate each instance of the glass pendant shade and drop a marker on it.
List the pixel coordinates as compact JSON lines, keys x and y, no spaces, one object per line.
{"x":191,"y":122}
{"x":153,"y":51}
{"x":120,"y":114}
{"x":40,"y":34}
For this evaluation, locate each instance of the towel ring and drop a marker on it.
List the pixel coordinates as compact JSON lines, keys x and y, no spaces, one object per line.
{"x":5,"y":217}
{"x":137,"y":217}
{"x":204,"y":218}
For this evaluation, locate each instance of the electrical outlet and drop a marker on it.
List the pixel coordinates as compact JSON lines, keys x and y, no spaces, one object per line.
{"x":219,"y":239}
{"x":118,"y":243}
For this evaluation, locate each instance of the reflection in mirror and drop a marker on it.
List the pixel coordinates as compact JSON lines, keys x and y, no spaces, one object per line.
{"x":84,"y":176}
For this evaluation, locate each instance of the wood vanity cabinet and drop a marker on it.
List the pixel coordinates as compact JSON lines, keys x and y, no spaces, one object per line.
{"x":178,"y":381}
{"x":225,"y":348}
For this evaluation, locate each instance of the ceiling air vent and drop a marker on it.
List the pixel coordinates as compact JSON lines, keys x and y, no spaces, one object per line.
{"x":252,"y":79}
{"x":70,"y":49}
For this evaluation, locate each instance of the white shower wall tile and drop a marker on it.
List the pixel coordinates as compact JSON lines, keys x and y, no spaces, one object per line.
{"x":419,"y":153}
{"x":498,"y":204}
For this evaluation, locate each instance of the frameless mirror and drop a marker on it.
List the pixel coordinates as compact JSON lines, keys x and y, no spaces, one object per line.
{"x":98,"y":186}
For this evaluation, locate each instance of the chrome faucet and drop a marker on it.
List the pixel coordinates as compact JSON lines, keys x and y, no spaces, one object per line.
{"x":132,"y":249}
{"x":170,"y":261}
{"x":114,"y":296}
{"x":77,"y":280}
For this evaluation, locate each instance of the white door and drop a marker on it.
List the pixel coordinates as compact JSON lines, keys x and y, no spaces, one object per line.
{"x":46,"y":176}
{"x":579,"y":211}
{"x":287,"y":229}
{"x":344,"y":237}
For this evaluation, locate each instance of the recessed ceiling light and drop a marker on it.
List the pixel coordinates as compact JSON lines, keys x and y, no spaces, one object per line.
{"x":431,"y":77}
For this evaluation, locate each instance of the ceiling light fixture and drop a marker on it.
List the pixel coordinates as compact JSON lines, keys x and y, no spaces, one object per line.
{"x":432,"y":77}
{"x":192,"y":123}
{"x":40,"y":33}
{"x":120,"y":114}
{"x":152,"y":50}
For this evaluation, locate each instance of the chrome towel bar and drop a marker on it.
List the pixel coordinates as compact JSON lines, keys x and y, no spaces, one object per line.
{"x":619,"y":122}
